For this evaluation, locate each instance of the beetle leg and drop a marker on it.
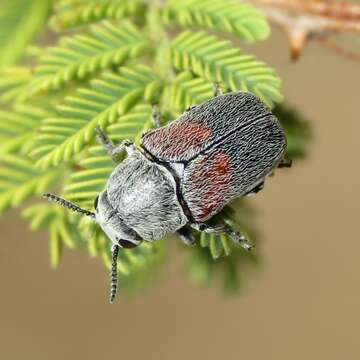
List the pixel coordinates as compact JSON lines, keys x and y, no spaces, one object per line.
{"x":186,"y":236}
{"x":285,"y":163}
{"x":190,"y":107}
{"x":217,"y":89}
{"x":156,"y":116}
{"x":235,"y":236}
{"x":256,"y":189}
{"x":126,"y":145}
{"x":114,"y":150}
{"x":238,"y":238}
{"x":202,"y":227}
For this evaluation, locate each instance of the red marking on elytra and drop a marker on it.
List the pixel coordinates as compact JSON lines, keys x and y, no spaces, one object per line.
{"x":191,"y":129}
{"x":214,"y":176}
{"x":179,"y":138}
{"x":222,"y":164}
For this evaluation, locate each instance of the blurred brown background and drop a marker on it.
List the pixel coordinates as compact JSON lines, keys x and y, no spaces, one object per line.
{"x":303,"y":304}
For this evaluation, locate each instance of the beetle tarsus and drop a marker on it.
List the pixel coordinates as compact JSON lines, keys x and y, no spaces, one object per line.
{"x":114,"y":150}
{"x":103,"y":139}
{"x":235,"y":236}
{"x":217,"y":229}
{"x":238,"y":238}
{"x":156,"y":116}
{"x":190,"y":107}
{"x":217,"y":89}
{"x":247,"y":246}
{"x":256,"y":189}
{"x":285,"y":163}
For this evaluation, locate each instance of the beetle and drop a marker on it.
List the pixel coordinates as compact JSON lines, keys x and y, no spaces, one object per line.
{"x":185,"y":172}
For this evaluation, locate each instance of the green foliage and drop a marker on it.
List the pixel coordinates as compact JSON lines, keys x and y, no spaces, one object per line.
{"x":188,"y":90}
{"x":117,"y":59}
{"x":87,"y":11}
{"x":13,"y":84}
{"x":18,"y":127}
{"x":19,"y":180}
{"x":84,"y":185}
{"x":108,"y":98}
{"x":135,"y":266}
{"x":217,"y":60}
{"x":62,"y":229}
{"x":202,"y":269}
{"x":20,"y":22}
{"x":227,"y":15}
{"x":80,"y":56}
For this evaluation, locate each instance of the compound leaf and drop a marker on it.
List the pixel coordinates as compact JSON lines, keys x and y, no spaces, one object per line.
{"x":188,"y":90}
{"x":110,"y":97}
{"x":20,"y":22}
{"x":244,"y":20}
{"x":80,"y":56}
{"x":18,"y":127}
{"x":85,"y":184}
{"x":218,"y":61}
{"x":13,"y":84}
{"x":88,"y":11}
{"x":19,"y":180}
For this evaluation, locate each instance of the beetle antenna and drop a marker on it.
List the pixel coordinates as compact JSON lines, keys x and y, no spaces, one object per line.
{"x":114,"y":273}
{"x":68,"y":204}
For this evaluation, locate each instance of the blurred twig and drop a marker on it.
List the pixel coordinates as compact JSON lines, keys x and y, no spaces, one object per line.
{"x":303,"y":20}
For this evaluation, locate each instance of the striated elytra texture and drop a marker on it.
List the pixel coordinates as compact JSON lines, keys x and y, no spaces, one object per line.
{"x":227,"y":146}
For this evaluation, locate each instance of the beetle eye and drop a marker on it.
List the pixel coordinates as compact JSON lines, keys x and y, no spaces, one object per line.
{"x":127,"y":244}
{"x":96,"y":202}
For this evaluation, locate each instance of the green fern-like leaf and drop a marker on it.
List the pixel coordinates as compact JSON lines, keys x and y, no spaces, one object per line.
{"x":202,"y":269}
{"x":218,"y":244}
{"x":110,"y":96}
{"x":135,"y":266}
{"x":13,"y":84}
{"x":88,"y":11}
{"x":62,"y":230}
{"x":20,"y":22}
{"x":216,"y":60}
{"x":227,"y":15}
{"x":19,"y":180}
{"x":188,"y":90}
{"x":85,"y":184}
{"x":83,"y":55}
{"x":18,"y":127}
{"x":231,"y":259}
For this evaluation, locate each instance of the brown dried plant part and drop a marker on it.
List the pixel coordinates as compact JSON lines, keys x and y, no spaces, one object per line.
{"x":303,"y":20}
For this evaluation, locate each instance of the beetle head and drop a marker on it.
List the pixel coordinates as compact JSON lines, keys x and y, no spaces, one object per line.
{"x":113,"y":226}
